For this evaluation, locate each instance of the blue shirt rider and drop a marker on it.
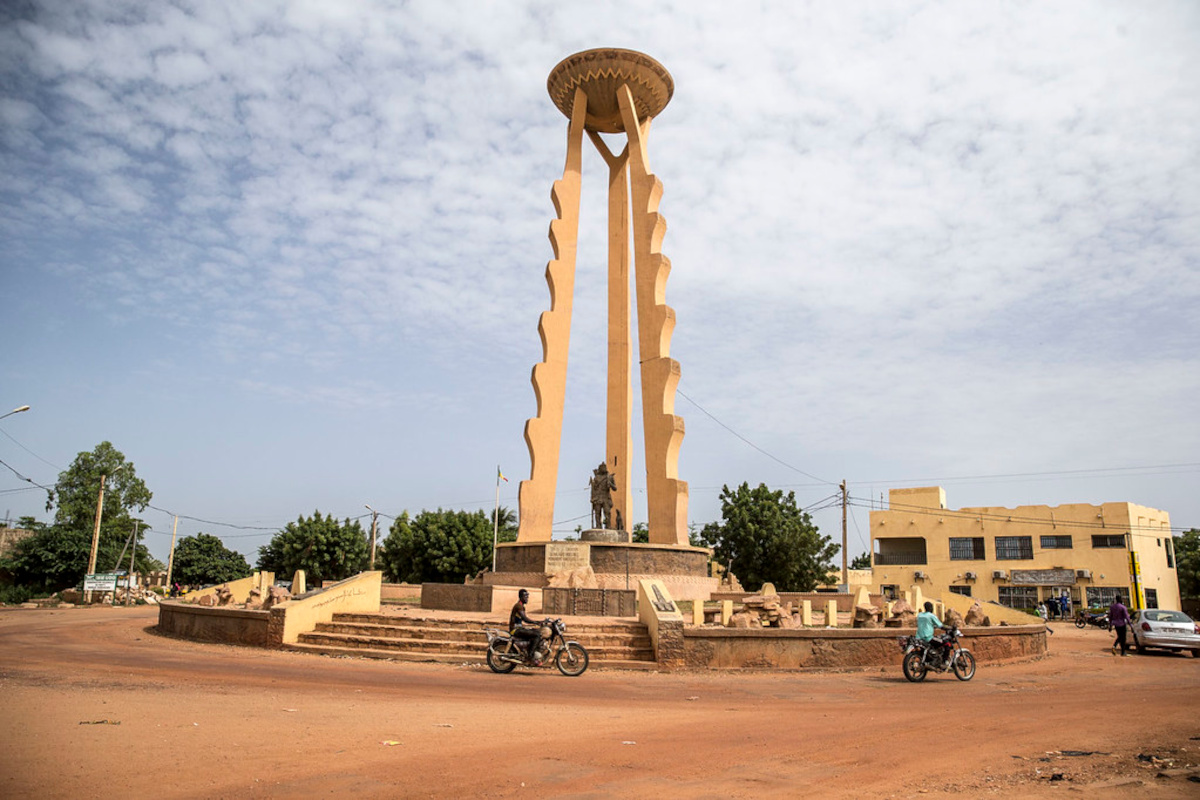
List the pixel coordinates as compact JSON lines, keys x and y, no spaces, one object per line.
{"x":927,"y":623}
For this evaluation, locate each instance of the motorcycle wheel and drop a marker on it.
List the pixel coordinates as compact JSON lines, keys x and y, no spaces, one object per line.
{"x":497,"y":664}
{"x":572,"y":660}
{"x":914,"y":670}
{"x":964,"y":665}
{"x":1080,"y":622}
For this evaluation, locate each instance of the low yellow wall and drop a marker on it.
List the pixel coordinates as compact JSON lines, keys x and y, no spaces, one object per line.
{"x":994,"y":611}
{"x":356,"y":595}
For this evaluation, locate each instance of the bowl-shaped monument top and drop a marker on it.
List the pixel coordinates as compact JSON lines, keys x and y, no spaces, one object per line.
{"x":601,"y":73}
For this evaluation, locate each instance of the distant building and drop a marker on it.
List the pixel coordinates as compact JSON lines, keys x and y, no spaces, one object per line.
{"x":9,"y":538}
{"x":1020,"y":556}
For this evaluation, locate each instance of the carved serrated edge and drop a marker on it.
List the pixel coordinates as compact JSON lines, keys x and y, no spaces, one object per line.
{"x":543,"y":432}
{"x":666,"y":495}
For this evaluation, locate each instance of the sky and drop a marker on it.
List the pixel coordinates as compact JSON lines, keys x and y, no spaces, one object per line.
{"x":289,"y":256}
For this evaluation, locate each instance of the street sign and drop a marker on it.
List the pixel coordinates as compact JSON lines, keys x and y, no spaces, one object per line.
{"x":100,"y":582}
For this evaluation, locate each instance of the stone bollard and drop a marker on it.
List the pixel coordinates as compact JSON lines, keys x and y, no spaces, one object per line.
{"x":831,"y":620}
{"x":806,"y":613}
{"x":726,"y":613}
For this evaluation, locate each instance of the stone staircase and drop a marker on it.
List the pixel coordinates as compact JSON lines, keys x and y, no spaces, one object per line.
{"x":611,"y":643}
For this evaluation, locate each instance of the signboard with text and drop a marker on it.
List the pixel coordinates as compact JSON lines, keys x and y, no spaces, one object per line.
{"x":1042,"y":577}
{"x":100,"y":582}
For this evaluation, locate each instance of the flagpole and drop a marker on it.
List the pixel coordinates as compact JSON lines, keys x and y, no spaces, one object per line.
{"x":496,"y":519}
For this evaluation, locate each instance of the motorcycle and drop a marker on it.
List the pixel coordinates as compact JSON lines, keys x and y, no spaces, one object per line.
{"x":506,"y":652}
{"x":1085,"y":618}
{"x":939,"y":654}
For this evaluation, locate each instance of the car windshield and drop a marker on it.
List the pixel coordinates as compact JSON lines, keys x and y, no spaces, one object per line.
{"x":1157,"y":615}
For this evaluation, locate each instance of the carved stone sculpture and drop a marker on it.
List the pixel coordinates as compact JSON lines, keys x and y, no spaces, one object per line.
{"x":602,"y":486}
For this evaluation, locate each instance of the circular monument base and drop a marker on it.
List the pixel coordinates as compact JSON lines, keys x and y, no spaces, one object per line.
{"x":616,"y":565}
{"x":605,"y":535}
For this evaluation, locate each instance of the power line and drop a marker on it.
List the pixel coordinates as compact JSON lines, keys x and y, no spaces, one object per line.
{"x":27,"y":450}
{"x":1163,"y":469}
{"x":28,"y":480}
{"x":981,"y":516}
{"x":752,"y":444}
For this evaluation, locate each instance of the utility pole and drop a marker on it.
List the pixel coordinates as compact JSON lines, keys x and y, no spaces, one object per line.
{"x":129,"y":577}
{"x":171,"y":558}
{"x":374,"y":528}
{"x":91,"y":569}
{"x":845,"y":568}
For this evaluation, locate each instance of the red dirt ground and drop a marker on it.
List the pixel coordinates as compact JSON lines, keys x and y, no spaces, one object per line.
{"x":96,"y":705}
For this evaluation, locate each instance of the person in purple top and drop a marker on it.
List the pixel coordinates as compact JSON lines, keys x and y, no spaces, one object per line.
{"x":1118,"y":617}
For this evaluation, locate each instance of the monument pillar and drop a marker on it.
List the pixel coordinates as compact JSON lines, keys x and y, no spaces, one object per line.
{"x":611,"y":91}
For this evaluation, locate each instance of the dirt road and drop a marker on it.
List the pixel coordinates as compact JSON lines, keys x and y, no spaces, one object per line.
{"x":95,"y":704}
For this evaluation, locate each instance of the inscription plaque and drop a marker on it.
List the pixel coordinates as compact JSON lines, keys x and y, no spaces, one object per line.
{"x":566,"y":556}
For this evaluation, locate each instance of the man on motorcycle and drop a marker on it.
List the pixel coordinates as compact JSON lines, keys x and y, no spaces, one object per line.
{"x":518,"y":620}
{"x":927,"y":623}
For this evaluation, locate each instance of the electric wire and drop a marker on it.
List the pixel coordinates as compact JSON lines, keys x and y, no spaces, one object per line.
{"x":1001,"y":517}
{"x":752,"y":444}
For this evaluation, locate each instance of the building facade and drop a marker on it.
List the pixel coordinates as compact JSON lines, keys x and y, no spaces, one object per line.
{"x":1021,"y":556}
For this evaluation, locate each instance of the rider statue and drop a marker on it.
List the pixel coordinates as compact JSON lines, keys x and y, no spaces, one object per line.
{"x":603,"y":485}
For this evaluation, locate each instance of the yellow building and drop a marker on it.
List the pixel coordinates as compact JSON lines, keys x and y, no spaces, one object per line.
{"x":1021,"y":556}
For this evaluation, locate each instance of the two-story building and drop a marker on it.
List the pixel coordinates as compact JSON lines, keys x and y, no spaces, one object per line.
{"x":1020,"y":556}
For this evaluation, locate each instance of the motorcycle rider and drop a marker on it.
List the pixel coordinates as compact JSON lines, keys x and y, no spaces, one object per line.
{"x":927,"y":623}
{"x":517,"y":622}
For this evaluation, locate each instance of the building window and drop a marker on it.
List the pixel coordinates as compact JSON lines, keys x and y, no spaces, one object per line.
{"x":903,"y":551}
{"x":1170,"y":554}
{"x":1056,"y":543}
{"x":1152,"y":599}
{"x":1014,"y":548}
{"x":966,"y":549}
{"x":1025,"y":597}
{"x":965,"y":591}
{"x":1107,"y":540}
{"x":1103,"y":596}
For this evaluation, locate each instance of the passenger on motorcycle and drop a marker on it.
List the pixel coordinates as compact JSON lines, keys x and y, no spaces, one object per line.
{"x":517,"y":621}
{"x":927,"y":623}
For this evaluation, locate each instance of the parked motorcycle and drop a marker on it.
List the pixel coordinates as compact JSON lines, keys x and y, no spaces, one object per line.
{"x":505,"y":652}
{"x":940,"y":654}
{"x":1085,"y":618}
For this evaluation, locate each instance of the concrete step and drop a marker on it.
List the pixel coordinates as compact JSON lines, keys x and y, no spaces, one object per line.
{"x":450,"y":658}
{"x":600,"y":625}
{"x":477,"y":636}
{"x":455,"y":647}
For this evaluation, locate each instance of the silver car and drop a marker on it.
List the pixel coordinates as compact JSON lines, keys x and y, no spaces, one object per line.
{"x":1173,"y":630}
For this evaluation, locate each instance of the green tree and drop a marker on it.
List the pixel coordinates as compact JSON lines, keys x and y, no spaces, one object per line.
{"x":204,"y":560}
{"x":1187,"y":563}
{"x":640,"y":534}
{"x":56,"y":556}
{"x":862,"y":561}
{"x":764,"y":537}
{"x":438,"y":546}
{"x":507,"y":531}
{"x":321,"y":546}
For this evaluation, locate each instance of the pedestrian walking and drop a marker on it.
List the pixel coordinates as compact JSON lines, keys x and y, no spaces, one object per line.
{"x":1118,"y":617}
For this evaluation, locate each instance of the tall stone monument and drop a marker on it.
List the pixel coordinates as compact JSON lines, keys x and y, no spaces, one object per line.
{"x":616,"y":92}
{"x":611,"y":91}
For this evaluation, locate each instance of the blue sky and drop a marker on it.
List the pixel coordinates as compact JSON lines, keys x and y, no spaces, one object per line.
{"x":289,"y":256}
